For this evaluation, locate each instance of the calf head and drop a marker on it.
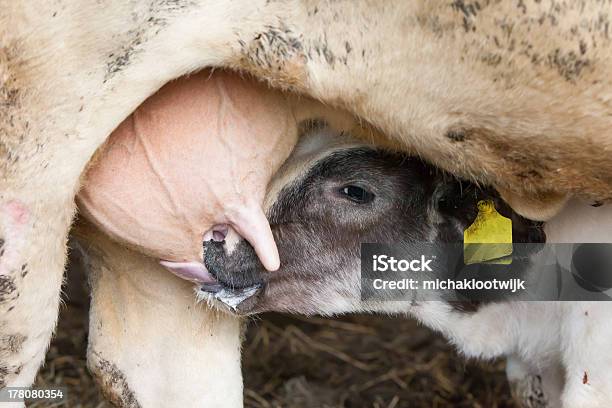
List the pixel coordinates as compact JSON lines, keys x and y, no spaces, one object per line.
{"x":327,"y":200}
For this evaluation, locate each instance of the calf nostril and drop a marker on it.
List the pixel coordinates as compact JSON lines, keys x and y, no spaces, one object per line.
{"x":217,"y":233}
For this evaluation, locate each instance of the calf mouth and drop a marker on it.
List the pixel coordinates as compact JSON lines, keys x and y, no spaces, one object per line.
{"x":237,"y":284}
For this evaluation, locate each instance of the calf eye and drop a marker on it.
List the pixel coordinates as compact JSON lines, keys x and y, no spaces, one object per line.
{"x":356,"y":194}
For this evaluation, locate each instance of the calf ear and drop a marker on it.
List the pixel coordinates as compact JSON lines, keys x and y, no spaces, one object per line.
{"x":540,"y":208}
{"x":251,"y":223}
{"x":454,"y":204}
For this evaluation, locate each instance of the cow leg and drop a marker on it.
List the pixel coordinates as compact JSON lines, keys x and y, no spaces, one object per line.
{"x":40,"y":165}
{"x":30,"y":281}
{"x":150,"y":343}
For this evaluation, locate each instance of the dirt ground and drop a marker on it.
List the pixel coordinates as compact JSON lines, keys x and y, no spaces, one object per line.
{"x":356,"y":361}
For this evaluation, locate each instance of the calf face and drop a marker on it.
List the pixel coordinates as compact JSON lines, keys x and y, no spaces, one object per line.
{"x":324,"y":204}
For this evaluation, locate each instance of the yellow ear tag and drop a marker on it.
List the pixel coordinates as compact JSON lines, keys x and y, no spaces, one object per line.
{"x":489,"y":238}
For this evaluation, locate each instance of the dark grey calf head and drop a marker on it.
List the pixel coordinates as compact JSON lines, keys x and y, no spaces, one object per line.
{"x":323,"y":205}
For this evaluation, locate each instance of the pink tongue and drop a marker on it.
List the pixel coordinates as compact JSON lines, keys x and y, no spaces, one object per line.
{"x":192,"y":271}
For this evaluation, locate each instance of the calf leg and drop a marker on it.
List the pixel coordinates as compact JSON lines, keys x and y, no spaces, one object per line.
{"x":534,"y":387}
{"x":492,"y":331}
{"x":150,"y":343}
